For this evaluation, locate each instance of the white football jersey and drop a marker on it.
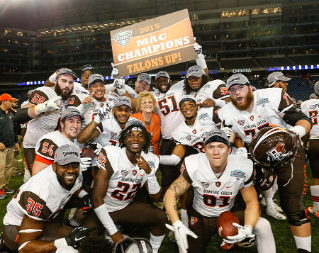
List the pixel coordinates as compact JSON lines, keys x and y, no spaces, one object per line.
{"x":213,"y":195}
{"x":49,"y":143}
{"x":41,"y":198}
{"x":215,"y":89}
{"x":168,"y":108}
{"x":126,"y":179}
{"x":194,"y":135}
{"x":78,"y":89}
{"x":311,"y":109}
{"x":268,"y":105}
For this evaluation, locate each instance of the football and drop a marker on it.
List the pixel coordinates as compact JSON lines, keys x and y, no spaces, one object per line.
{"x":224,"y":224}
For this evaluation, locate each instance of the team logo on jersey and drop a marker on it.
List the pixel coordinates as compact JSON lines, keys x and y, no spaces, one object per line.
{"x":113,"y":135}
{"x":241,"y":122}
{"x":124,"y":173}
{"x":123,"y":37}
{"x":237,"y":173}
{"x":77,"y":91}
{"x":157,"y":94}
{"x":194,"y":131}
{"x":134,"y":172}
{"x":151,"y":164}
{"x":218,"y":184}
{"x":277,"y":153}
{"x":205,"y":185}
{"x":188,"y":137}
{"x":202,"y":116}
{"x":251,"y":117}
{"x":193,"y":220}
{"x":263,"y":101}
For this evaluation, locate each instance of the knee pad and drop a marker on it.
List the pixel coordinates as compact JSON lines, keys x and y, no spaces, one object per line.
{"x":298,"y":219}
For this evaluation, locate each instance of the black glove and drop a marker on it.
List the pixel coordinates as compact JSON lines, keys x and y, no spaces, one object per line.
{"x":77,"y":235}
{"x":87,"y":201}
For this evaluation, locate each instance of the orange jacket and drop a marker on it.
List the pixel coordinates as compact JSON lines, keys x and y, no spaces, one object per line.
{"x":155,"y":129}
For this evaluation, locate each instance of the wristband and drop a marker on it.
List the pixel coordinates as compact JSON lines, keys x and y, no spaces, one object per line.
{"x":200,"y":61}
{"x":103,"y":214}
{"x":153,"y":186}
{"x":58,"y":243}
{"x":82,"y":193}
{"x":300,"y":130}
{"x":53,"y":77}
{"x":219,"y":102}
{"x":169,"y":159}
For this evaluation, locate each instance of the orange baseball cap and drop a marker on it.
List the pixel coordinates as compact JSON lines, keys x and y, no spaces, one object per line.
{"x":6,"y":96}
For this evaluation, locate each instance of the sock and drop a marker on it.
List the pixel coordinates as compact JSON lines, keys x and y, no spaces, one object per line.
{"x":156,"y":242}
{"x":314,"y":189}
{"x":184,"y":213}
{"x":303,"y":242}
{"x":274,"y":187}
{"x":74,"y":223}
{"x":269,"y":202}
{"x":264,"y":236}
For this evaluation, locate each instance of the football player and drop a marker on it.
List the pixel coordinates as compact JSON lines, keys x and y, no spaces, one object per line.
{"x":34,"y":218}
{"x":44,"y":108}
{"x":275,"y":80}
{"x":247,"y":114}
{"x":123,"y":171}
{"x":70,"y":126}
{"x":311,"y":109}
{"x":104,"y":128}
{"x":217,"y":178}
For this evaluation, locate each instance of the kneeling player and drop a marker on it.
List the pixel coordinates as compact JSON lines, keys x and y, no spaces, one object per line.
{"x":33,"y":214}
{"x":217,"y":178}
{"x":123,"y":171}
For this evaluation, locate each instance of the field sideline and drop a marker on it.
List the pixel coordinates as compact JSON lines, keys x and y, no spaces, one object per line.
{"x":283,"y":237}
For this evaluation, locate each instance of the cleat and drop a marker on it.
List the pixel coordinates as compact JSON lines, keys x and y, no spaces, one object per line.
{"x":278,"y":208}
{"x":8,"y":190}
{"x":227,"y":246}
{"x":271,"y":211}
{"x":2,"y":194}
{"x":313,"y":211}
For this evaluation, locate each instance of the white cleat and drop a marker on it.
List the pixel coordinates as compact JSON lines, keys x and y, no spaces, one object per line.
{"x":278,"y":208}
{"x":271,"y":211}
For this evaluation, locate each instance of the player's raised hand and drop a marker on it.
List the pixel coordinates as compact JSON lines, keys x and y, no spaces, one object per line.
{"x":102,"y":114}
{"x":142,"y":164}
{"x":47,"y":106}
{"x":115,"y":71}
{"x":198,"y":48}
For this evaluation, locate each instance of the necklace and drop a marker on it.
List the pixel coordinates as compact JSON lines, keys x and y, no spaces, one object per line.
{"x":147,"y":121}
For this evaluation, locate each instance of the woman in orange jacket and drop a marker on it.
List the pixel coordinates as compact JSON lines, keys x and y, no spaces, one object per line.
{"x":145,"y":108}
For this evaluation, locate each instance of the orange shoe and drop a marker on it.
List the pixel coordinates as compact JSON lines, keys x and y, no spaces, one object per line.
{"x":2,"y":194}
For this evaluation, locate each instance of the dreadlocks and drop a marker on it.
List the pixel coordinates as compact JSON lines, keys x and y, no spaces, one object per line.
{"x":147,"y":135}
{"x":187,"y":88}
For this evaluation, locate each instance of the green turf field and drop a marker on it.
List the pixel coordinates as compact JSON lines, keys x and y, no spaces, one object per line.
{"x":284,"y":240}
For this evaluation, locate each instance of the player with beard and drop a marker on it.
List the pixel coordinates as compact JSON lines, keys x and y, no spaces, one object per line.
{"x":43,"y":111}
{"x":123,"y":171}
{"x":34,"y":218}
{"x":247,"y":113}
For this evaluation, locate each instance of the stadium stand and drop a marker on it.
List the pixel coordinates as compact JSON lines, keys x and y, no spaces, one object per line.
{"x":238,"y":63}
{"x":273,"y":62}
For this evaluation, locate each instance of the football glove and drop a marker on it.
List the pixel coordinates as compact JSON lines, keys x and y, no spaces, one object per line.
{"x":115,"y":71}
{"x":77,"y":235}
{"x":85,"y":163}
{"x":49,"y":105}
{"x":98,"y":148}
{"x":243,"y":233}
{"x":119,"y":85}
{"x":102,"y":114}
{"x":181,"y":232}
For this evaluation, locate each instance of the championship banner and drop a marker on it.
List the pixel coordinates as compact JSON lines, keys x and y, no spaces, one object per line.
{"x":153,"y":44}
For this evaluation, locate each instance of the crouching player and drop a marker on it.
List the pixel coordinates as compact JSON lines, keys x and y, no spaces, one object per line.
{"x":123,"y":171}
{"x":34,"y":218}
{"x":217,"y":178}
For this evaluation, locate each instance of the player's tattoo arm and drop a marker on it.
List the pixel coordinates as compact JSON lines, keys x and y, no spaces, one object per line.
{"x":179,"y":186}
{"x":88,"y":133}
